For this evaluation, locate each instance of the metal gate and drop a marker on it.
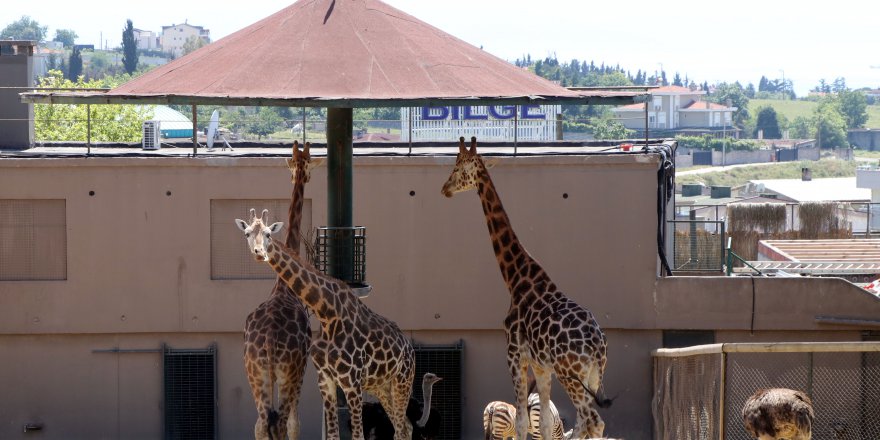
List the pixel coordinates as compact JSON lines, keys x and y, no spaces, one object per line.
{"x":445,"y":361}
{"x":702,"y":157}
{"x":190,"y":382}
{"x":787,"y":155}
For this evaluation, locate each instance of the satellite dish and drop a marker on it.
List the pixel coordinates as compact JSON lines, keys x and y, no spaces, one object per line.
{"x":214,"y":132}
{"x":212,"y":128}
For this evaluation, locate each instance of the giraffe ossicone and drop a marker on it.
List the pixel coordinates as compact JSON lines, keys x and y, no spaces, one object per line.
{"x":546,"y":331}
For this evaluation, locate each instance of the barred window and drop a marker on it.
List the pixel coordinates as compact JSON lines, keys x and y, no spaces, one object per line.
{"x":33,"y":240}
{"x":230,"y":257}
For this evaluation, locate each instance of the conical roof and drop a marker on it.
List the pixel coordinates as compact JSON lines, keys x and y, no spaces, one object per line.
{"x":345,"y":53}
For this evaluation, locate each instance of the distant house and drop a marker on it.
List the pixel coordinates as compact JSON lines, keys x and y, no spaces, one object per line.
{"x":173,"y":37}
{"x":678,"y":110}
{"x":146,"y":40}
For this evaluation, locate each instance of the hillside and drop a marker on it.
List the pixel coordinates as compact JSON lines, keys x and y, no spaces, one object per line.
{"x":793,"y":109}
{"x":787,"y":170}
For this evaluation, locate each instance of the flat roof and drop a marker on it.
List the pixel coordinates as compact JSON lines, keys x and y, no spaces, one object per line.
{"x":836,"y":189}
{"x":831,"y":250}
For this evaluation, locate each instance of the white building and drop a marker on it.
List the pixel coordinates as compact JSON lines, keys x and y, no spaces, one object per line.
{"x":146,"y":40}
{"x":173,"y":37}
{"x":676,"y":108}
{"x":487,"y":123}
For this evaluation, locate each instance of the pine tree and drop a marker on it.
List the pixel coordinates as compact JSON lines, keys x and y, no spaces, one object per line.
{"x":676,"y":80}
{"x":129,"y":48}
{"x":75,"y":65}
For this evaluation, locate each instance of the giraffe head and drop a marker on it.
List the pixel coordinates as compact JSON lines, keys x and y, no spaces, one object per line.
{"x":467,"y":166}
{"x":301,"y":161}
{"x":258,"y":233}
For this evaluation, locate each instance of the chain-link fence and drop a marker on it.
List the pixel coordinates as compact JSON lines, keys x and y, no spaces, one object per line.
{"x":699,"y":391}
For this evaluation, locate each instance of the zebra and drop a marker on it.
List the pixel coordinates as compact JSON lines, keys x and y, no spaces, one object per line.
{"x":499,"y":420}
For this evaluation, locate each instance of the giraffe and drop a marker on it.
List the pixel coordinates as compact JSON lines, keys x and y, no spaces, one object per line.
{"x":546,"y":331}
{"x":277,"y":332}
{"x":356,"y":349}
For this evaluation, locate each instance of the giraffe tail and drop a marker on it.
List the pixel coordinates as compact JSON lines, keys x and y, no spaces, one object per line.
{"x":600,"y":399}
{"x":272,"y":420}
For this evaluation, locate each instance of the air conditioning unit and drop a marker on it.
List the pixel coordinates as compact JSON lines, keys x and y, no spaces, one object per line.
{"x":151,"y":139}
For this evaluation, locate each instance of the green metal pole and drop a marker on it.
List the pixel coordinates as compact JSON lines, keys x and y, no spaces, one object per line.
{"x":339,"y":191}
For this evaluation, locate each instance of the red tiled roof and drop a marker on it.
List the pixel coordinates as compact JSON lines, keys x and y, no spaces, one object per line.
{"x":359,"y":50}
{"x":705,"y":105}
{"x":675,"y":90}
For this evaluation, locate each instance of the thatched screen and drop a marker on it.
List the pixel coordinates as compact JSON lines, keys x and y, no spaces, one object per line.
{"x":823,"y":220}
{"x":747,"y":223}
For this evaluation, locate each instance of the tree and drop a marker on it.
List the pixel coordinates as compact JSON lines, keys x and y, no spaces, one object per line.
{"x":830,"y":127}
{"x":750,"y":91}
{"x":75,"y":66}
{"x":854,"y":108}
{"x":266,"y":122}
{"x":129,"y":48}
{"x":736,"y":96}
{"x":676,"y":80}
{"x":25,"y":28}
{"x":67,"y":37}
{"x":192,"y":44}
{"x":610,"y":129}
{"x":768,"y":122}
{"x":110,"y":123}
{"x":801,"y":128}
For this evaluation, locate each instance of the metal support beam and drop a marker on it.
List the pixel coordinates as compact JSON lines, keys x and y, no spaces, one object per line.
{"x":195,"y":131}
{"x":88,"y":129}
{"x":340,"y":187}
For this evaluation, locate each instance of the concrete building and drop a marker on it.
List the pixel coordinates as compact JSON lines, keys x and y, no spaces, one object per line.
{"x":174,"y":37}
{"x":16,"y":75}
{"x":133,"y":254}
{"x":677,"y":109}
{"x":146,"y":40}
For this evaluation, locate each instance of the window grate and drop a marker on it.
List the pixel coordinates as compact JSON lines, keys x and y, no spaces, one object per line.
{"x":230,"y":258}
{"x":33,"y":240}
{"x":445,"y":361}
{"x":190,"y":381}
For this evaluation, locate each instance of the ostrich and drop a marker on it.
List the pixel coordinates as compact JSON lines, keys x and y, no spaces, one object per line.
{"x":778,"y":413}
{"x":425,"y":420}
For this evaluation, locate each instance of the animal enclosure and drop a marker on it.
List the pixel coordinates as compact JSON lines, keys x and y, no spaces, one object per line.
{"x":699,"y":391}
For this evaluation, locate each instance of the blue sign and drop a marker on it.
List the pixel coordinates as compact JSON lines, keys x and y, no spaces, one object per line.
{"x":467,"y":113}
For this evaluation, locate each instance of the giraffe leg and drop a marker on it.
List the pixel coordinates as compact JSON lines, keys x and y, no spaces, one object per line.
{"x":542,"y":381}
{"x":401,"y":389}
{"x":262,"y":393}
{"x":518,"y":371}
{"x":589,"y":423}
{"x":289,"y":392}
{"x":327,"y":386}
{"x":355,"y":399}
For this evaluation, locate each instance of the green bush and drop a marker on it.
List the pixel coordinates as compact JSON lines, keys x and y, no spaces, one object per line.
{"x":707,"y":142}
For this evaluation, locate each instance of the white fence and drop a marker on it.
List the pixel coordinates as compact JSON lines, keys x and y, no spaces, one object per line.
{"x":487,"y":123}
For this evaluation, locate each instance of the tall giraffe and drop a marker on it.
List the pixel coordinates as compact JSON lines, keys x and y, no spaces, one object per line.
{"x":357,"y":349}
{"x":277,"y":333}
{"x":545,"y":329}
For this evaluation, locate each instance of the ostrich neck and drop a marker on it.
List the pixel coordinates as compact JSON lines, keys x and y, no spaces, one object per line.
{"x":426,"y":406}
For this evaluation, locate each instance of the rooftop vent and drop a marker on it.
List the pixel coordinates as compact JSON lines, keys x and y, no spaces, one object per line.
{"x":691,"y":189}
{"x":720,"y":192}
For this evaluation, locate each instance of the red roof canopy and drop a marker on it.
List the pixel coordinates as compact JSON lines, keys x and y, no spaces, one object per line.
{"x":342,"y":49}
{"x":346,"y":53}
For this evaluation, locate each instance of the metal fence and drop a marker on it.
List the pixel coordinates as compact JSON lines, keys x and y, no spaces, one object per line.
{"x":698,"y":245}
{"x":699,"y":391}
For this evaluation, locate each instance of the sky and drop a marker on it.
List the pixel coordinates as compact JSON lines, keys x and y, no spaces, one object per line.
{"x":703,"y":40}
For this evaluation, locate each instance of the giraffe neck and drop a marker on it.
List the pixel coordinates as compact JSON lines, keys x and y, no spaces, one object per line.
{"x":294,"y":214}
{"x":511,"y":255}
{"x":304,"y":281}
{"x":426,"y":405}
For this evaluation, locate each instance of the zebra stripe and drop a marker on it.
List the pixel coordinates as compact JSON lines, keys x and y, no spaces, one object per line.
{"x":499,"y":421}
{"x":535,"y":418}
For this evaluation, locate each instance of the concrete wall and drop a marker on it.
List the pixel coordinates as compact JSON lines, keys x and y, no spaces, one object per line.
{"x":16,"y":70}
{"x":138,"y":275}
{"x":865,"y":139}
